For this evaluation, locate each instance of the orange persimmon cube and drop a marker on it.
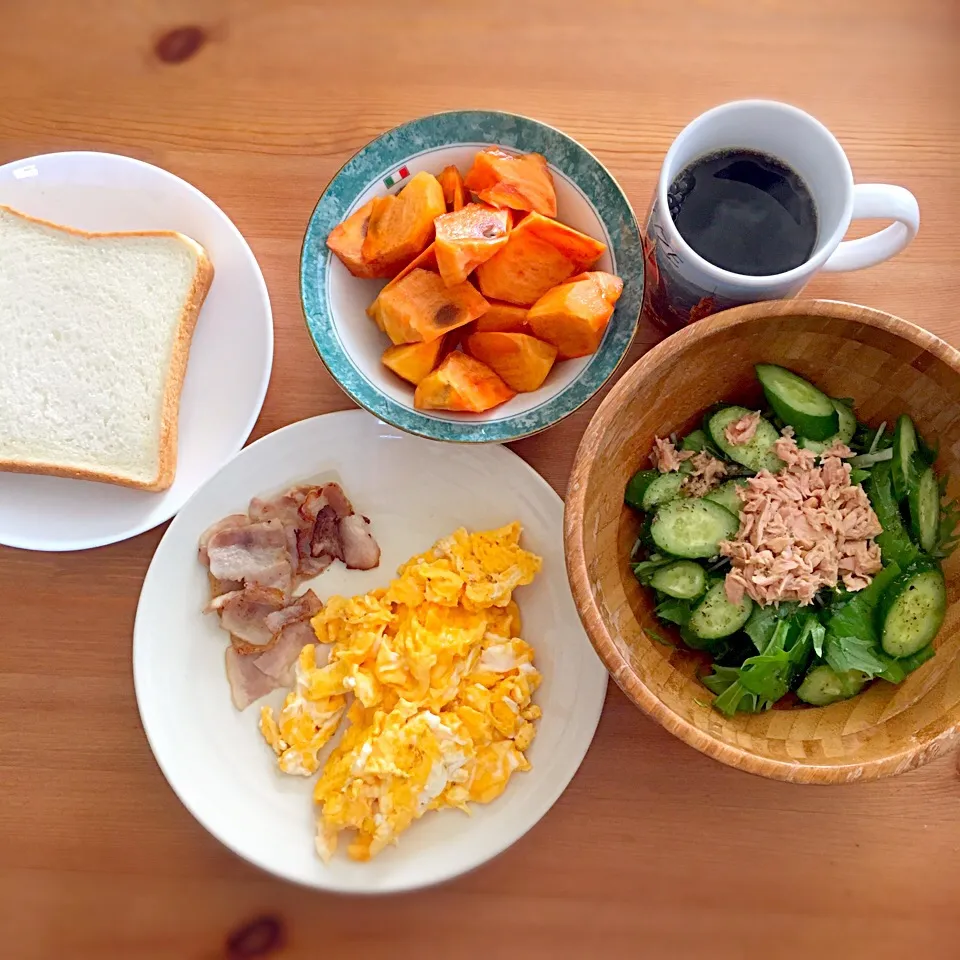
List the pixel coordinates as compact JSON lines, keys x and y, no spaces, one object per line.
{"x":454,"y":192}
{"x":524,"y":270}
{"x":574,"y":315}
{"x":502,"y":318}
{"x":422,"y":307}
{"x":413,"y":361}
{"x":467,"y":238}
{"x":427,"y":261}
{"x":521,"y":182}
{"x":581,"y":250}
{"x":400,"y":227}
{"x":346,"y":241}
{"x":521,"y":361}
{"x":461,"y":383}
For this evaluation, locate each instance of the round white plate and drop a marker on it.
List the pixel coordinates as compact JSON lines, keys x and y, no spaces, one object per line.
{"x":230,"y":357}
{"x":414,"y":491}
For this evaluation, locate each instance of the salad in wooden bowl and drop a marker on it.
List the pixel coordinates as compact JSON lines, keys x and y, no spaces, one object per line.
{"x":781,"y":599}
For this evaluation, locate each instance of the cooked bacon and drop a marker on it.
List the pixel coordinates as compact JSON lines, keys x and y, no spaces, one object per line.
{"x":220,"y":587}
{"x":742,"y":431}
{"x":325,"y":541}
{"x":802,"y":529}
{"x":665,"y":457}
{"x":256,"y":560}
{"x":360,"y":550}
{"x":245,"y":614}
{"x":227,"y":523}
{"x":708,"y":473}
{"x":304,"y":607}
{"x":256,"y":553}
{"x":284,"y":508}
{"x":338,"y":500}
{"x":277,"y":660}
{"x":247,"y":681}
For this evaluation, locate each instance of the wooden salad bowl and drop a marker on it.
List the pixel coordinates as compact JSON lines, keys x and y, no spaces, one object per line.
{"x":889,"y":366}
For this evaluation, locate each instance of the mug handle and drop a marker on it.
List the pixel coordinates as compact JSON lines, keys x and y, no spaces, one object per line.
{"x":878,"y":201}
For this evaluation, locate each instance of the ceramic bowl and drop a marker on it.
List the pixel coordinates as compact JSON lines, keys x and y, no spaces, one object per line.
{"x":334,"y":302}
{"x":889,"y":366}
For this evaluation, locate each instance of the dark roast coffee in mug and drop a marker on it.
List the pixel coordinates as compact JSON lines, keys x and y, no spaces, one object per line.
{"x":744,"y":211}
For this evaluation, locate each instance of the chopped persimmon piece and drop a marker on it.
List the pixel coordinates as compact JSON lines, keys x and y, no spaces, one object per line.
{"x":524,"y":270}
{"x":581,"y":250}
{"x":422,"y":307}
{"x":454,"y":192}
{"x":427,"y":261}
{"x":467,"y":238}
{"x":521,"y":361}
{"x":401,"y":227}
{"x":461,"y":383}
{"x":346,"y":241}
{"x":520,"y":182}
{"x":574,"y":316}
{"x":502,"y":318}
{"x":413,"y":361}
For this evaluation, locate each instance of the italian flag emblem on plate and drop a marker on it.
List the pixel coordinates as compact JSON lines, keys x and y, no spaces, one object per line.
{"x":396,"y":177}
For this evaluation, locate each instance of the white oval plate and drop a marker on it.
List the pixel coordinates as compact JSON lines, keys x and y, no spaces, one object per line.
{"x":230,"y":357}
{"x":414,"y":491}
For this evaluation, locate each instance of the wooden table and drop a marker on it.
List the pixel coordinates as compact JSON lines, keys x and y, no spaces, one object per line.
{"x":654,"y":850}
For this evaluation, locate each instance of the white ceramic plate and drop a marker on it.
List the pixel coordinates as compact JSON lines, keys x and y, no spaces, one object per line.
{"x":414,"y":491}
{"x":230,"y":357}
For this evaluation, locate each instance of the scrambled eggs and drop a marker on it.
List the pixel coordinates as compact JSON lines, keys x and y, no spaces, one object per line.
{"x":441,"y":687}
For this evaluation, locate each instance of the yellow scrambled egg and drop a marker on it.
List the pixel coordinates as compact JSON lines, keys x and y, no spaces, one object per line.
{"x":441,"y":687}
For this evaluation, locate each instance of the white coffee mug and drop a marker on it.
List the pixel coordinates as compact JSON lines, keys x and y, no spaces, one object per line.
{"x":683,"y":287}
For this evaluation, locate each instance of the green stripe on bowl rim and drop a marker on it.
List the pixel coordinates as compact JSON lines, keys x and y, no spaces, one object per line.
{"x":397,"y":147}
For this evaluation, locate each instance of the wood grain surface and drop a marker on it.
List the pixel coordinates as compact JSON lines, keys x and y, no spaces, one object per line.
{"x":654,"y":850}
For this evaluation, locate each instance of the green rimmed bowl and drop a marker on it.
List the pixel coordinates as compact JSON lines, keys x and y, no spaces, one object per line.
{"x":334,"y":302}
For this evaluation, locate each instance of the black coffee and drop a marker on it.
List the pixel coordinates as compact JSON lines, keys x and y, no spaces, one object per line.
{"x":744,"y":211}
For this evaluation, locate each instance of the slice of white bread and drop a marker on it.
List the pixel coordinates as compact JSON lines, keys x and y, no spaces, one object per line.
{"x":95,"y":329}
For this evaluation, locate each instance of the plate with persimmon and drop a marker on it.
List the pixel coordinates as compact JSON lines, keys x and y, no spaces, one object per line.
{"x":472,"y":276}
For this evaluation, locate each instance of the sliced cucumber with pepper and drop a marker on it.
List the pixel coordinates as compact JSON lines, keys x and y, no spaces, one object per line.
{"x":905,"y":447}
{"x":692,"y":528}
{"x":757,"y":453}
{"x":912,"y":609}
{"x":726,"y":495}
{"x":844,"y":434}
{"x":924,"y":500}
{"x":637,"y":486}
{"x":798,"y":402}
{"x":715,"y":616}
{"x":823,"y":685}
{"x":683,"y":579}
{"x":665,"y":487}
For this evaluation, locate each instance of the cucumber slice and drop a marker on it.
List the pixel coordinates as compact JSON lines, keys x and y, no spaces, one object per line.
{"x":758,"y":453}
{"x":798,"y":402}
{"x":664,"y":488}
{"x":924,"y":500}
{"x":715,"y":616}
{"x":692,"y":528}
{"x":637,"y":486}
{"x":912,"y":609}
{"x":683,"y":580}
{"x":823,"y":685}
{"x":844,"y":434}
{"x":726,"y":495}
{"x":904,"y":448}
